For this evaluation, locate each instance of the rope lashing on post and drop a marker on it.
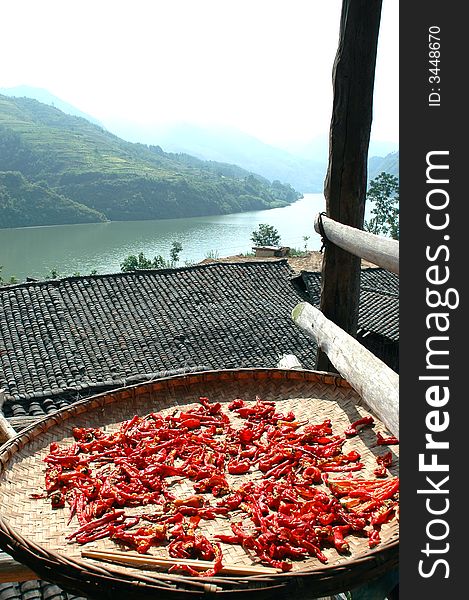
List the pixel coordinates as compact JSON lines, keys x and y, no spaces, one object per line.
{"x":321,"y":231}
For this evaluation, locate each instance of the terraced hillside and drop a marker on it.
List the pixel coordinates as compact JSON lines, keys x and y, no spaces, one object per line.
{"x":108,"y":178}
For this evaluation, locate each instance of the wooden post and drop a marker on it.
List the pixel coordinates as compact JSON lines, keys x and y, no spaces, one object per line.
{"x":373,"y":380}
{"x":345,"y":184}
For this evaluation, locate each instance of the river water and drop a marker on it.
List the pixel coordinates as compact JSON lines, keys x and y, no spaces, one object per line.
{"x":70,"y":249}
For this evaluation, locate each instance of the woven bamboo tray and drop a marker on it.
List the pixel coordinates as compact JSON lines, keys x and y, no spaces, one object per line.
{"x":34,"y":534}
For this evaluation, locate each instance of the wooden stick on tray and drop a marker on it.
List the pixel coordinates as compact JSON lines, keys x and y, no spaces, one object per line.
{"x":150,"y":562}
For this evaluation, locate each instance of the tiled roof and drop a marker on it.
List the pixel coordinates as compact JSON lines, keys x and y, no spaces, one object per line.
{"x":379,"y":300}
{"x":66,"y":337}
{"x":35,"y":590}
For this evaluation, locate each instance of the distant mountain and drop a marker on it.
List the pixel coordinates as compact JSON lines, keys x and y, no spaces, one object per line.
{"x":230,"y":146}
{"x":90,"y":167}
{"x":44,"y":96}
{"x":317,"y":149}
{"x":388,"y":164}
{"x":378,"y":148}
{"x":304,"y":166}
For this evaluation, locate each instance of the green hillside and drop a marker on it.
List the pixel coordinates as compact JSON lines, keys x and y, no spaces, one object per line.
{"x":88,"y":167}
{"x":23,"y":204}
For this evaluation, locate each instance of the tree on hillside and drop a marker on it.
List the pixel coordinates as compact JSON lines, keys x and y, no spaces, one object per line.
{"x":265,"y":235}
{"x":176,"y":249}
{"x":383,"y":193}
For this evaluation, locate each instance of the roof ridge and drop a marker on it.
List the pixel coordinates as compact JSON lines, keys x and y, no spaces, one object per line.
{"x":164,"y":271}
{"x":381,"y":292}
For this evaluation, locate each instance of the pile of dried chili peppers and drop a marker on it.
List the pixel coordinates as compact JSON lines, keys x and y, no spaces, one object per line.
{"x":279,"y":513}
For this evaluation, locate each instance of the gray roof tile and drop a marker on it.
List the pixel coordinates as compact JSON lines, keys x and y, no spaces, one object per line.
{"x":65,"y":339}
{"x":35,"y":590}
{"x":60,"y":338}
{"x":379,"y":300}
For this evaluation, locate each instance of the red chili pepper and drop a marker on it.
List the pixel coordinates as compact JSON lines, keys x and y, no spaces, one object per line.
{"x":382,"y":515}
{"x":213,"y":409}
{"x":326,"y":450}
{"x":310,"y":432}
{"x":96,"y":523}
{"x":382,"y":440}
{"x":277,"y":564}
{"x":313,"y":549}
{"x":250,"y":453}
{"x":335,"y":468}
{"x":245,"y":412}
{"x":52,"y":478}
{"x":352,"y":429}
{"x":232,"y":501}
{"x":280,"y":470}
{"x":238,"y":403}
{"x":287,"y":551}
{"x":285,"y":515}
{"x":383,"y":461}
{"x":191,"y":423}
{"x":143,"y":538}
{"x":194,"y":501}
{"x":363,"y":487}
{"x":237,"y":467}
{"x":217,"y":484}
{"x":245,"y":435}
{"x":182,"y":568}
{"x":373,"y":537}
{"x":338,"y":538}
{"x":312,"y":474}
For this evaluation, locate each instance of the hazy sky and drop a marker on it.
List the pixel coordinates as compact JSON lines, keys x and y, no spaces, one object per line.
{"x":263,"y":66}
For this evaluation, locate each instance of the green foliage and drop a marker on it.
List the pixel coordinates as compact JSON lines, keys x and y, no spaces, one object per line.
{"x":383,"y":192}
{"x":265,"y":235}
{"x":79,"y":172}
{"x":298,"y":252}
{"x":10,"y":281}
{"x":23,"y":203}
{"x":176,"y":249}
{"x":136,"y":263}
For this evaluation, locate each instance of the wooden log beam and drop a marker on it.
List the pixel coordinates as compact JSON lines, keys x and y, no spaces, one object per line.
{"x":6,"y":430}
{"x":373,"y":380}
{"x":289,"y":361}
{"x":346,"y":179}
{"x":379,"y":250}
